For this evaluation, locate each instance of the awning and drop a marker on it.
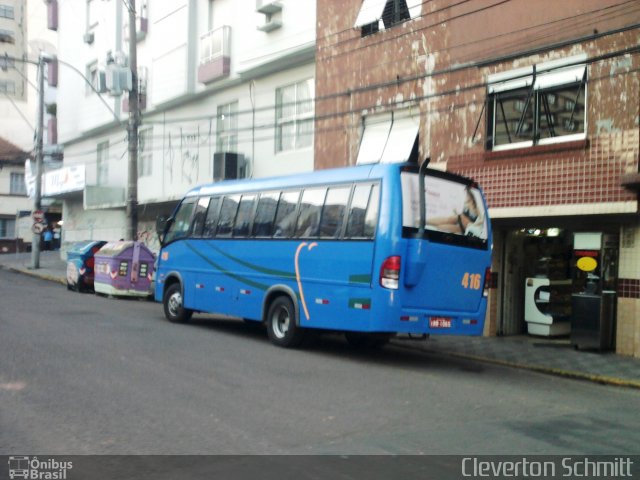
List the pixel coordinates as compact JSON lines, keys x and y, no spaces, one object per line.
{"x":371,"y":11}
{"x":388,"y":138}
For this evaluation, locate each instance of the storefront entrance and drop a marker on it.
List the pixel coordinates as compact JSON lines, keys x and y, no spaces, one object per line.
{"x":542,"y":271}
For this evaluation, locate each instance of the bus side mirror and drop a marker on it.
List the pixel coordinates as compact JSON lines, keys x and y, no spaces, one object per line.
{"x":162,"y":223}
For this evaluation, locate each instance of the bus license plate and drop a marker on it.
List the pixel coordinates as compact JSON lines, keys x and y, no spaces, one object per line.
{"x":440,"y":322}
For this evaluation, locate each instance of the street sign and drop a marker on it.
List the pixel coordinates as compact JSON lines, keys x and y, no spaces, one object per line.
{"x":37,"y":228}
{"x":38,"y":216}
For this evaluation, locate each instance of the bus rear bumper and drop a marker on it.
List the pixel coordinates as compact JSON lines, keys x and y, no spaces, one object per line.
{"x":440,"y":323}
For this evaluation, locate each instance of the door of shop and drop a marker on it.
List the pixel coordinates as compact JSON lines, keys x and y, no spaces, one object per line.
{"x":512,"y":321}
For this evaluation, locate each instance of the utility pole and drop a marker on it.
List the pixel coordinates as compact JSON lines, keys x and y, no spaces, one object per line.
{"x":132,"y":128}
{"x":37,"y":198}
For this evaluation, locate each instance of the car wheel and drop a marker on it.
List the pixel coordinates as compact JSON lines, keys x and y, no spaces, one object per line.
{"x":173,"y":307}
{"x":282,"y":326}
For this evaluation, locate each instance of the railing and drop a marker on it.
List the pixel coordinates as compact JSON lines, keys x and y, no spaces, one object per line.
{"x":215,"y":44}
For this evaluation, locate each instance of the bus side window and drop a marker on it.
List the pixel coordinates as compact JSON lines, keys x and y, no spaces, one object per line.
{"x":182,"y":220}
{"x":371,"y":219}
{"x":242,"y":224}
{"x":286,"y":214}
{"x":227,"y":215}
{"x":308,"y":224}
{"x":333,"y":212}
{"x":265,"y":214}
{"x":363,"y":213}
{"x":197,"y":223}
{"x":211,"y":222}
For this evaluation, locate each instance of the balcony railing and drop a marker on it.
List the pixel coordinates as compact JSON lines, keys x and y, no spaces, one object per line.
{"x":215,"y":55}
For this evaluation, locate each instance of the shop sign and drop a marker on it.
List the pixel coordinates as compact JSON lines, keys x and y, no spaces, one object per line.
{"x":587,"y":264}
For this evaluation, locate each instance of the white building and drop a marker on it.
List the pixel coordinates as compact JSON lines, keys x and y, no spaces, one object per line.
{"x":226,"y":90}
{"x":23,"y":36}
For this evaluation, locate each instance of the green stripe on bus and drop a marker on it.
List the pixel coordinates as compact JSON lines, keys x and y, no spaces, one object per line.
{"x":257,"y":268}
{"x":244,"y":280}
{"x":364,"y":278}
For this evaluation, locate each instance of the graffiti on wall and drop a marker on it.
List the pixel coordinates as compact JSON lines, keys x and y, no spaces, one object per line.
{"x":182,"y":154}
{"x":148,"y":236}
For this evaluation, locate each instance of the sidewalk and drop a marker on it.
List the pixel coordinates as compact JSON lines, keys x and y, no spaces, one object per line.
{"x":551,"y":356}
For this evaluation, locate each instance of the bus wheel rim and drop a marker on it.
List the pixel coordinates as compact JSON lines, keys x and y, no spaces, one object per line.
{"x":175,"y":304}
{"x":280,"y":322}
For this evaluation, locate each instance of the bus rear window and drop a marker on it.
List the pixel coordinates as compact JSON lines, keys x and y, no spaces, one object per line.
{"x":455,"y":211}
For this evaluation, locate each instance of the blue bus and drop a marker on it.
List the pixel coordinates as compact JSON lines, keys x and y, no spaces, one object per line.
{"x":371,"y":251}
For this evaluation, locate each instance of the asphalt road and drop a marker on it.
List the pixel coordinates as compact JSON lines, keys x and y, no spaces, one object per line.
{"x":84,"y":374}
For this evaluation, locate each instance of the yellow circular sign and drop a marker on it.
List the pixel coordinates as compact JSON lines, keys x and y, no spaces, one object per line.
{"x":587,"y":264}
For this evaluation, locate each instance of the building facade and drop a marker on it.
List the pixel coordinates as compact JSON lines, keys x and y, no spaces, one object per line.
{"x":23,"y":36}
{"x":226,"y":91}
{"x":540,"y":104}
{"x":15,"y":206}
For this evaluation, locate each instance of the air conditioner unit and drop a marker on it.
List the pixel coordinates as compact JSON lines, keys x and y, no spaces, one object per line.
{"x":228,"y":165}
{"x":268,"y":6}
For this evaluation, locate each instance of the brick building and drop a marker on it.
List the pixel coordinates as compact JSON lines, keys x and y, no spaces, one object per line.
{"x":539,"y":103}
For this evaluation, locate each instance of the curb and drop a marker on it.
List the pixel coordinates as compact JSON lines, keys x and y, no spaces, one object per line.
{"x":43,"y":276}
{"x":558,"y":372}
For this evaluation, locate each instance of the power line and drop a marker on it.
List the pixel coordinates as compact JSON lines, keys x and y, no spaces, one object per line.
{"x":445,"y":108}
{"x":548,"y":29}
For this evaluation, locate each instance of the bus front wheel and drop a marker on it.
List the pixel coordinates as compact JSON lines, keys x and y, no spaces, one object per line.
{"x":173,"y":308}
{"x":282,"y":326}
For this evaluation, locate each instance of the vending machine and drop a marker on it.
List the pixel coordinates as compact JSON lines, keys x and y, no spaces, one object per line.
{"x":593,"y":302}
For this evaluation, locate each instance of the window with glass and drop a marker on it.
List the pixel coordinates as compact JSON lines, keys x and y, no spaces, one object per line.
{"x":242,"y":224}
{"x":294,"y":115}
{"x":6,"y":11}
{"x":181,"y":222}
{"x":308,"y":224}
{"x":91,"y":74}
{"x":211,"y":221}
{"x":227,"y":215}
{"x":6,"y":62}
{"x":265,"y":214}
{"x":7,"y":36}
{"x":363,"y":212}
{"x":538,"y":105}
{"x":7,"y":228}
{"x":333,"y":212}
{"x":199,"y":217}
{"x":7,"y":86}
{"x":227,"y":128}
{"x":102,"y":164}
{"x":145,"y":152}
{"x":286,"y":214}
{"x":376,"y":15}
{"x":17,"y":185}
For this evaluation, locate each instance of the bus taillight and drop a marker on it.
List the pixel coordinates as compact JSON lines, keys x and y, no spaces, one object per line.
{"x":487,"y":282}
{"x":390,"y":272}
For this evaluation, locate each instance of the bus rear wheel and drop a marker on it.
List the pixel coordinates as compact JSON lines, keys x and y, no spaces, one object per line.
{"x":282,"y":326}
{"x":173,"y":308}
